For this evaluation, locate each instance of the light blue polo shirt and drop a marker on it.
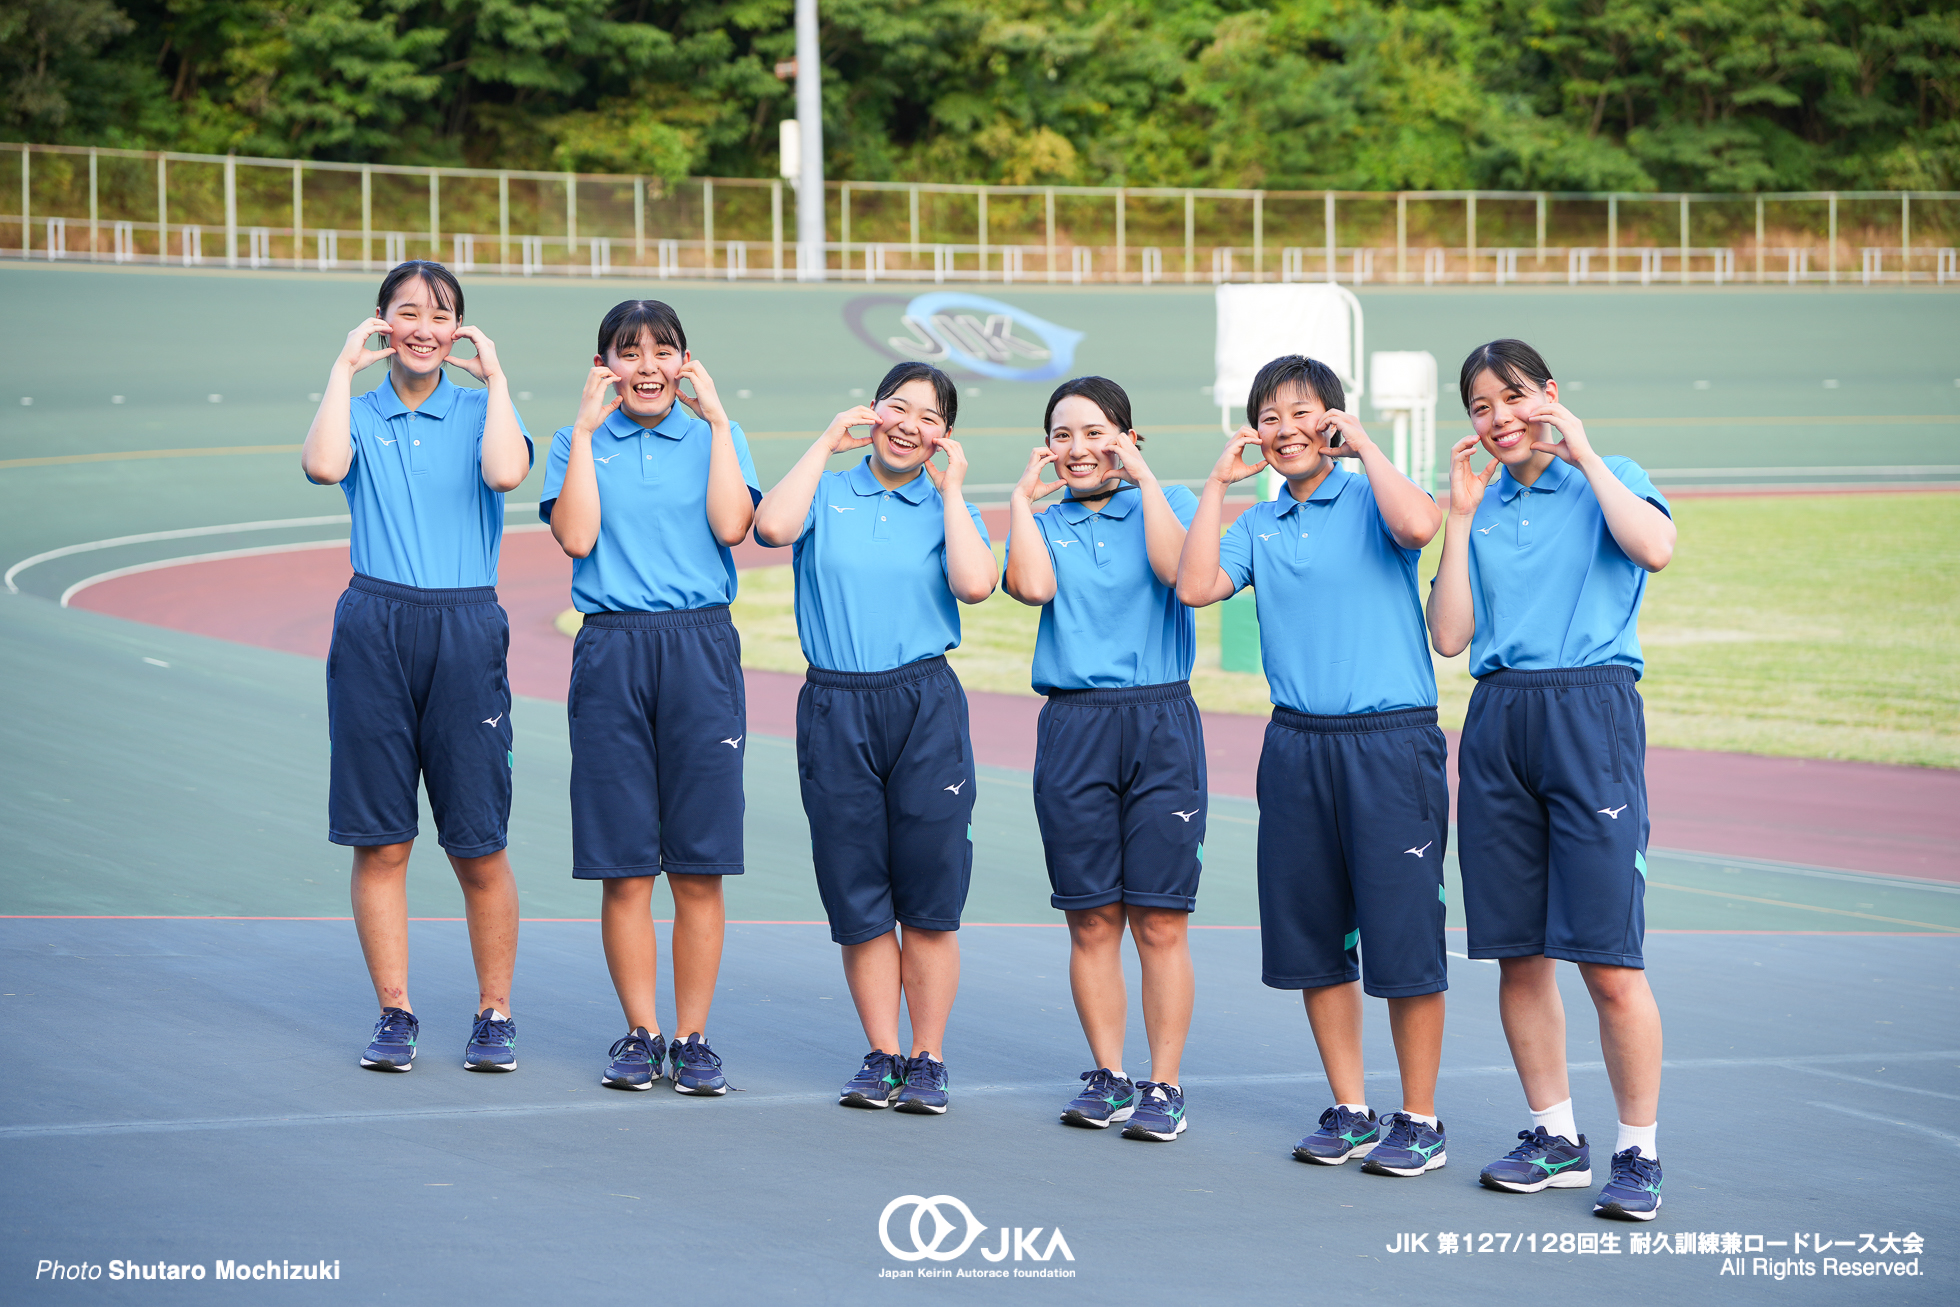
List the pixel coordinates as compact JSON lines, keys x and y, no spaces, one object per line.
{"x":422,"y":515}
{"x":871,"y":587}
{"x":1340,"y":612}
{"x":1551,"y":586}
{"x":655,"y":551}
{"x":1112,"y":624}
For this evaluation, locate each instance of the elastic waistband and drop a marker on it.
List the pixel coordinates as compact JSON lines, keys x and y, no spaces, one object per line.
{"x":1550,"y":677}
{"x":923,"y":670}
{"x":663,"y":621}
{"x":1359,"y":723}
{"x":408,"y":594}
{"x":1118,"y":696}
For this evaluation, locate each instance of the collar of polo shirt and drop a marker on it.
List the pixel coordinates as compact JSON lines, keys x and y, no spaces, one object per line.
{"x":1549,"y":480}
{"x":1329,"y":489}
{"x":435,"y":406}
{"x":674,"y":426}
{"x":1119,"y":504}
{"x":863,"y":481}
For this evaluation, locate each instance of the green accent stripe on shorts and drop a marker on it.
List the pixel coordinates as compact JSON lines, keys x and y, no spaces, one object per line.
{"x":1640,"y":863}
{"x":1353,"y":938}
{"x":1442,"y":894}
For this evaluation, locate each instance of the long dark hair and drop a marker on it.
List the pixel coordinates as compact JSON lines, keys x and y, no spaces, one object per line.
{"x":1100,"y":391}
{"x":442,"y":284}
{"x":1514,"y":362}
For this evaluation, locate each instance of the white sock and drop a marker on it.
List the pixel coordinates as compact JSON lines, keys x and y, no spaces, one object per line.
{"x":1359,"y":1109}
{"x":1641,"y":1136}
{"x":1557,"y":1120}
{"x":497,"y":1016}
{"x":1429,"y":1121}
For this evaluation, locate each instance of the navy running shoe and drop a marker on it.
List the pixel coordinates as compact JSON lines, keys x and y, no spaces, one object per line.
{"x":1634,"y":1192}
{"x":1159,"y":1114}
{"x":393,"y":1045}
{"x":1541,"y":1160}
{"x":696,"y":1069}
{"x":636,"y":1060}
{"x":1409,"y":1148}
{"x":1343,"y":1133}
{"x":925,"y":1087}
{"x":493,"y":1043}
{"x":876,"y":1083}
{"x":1107,"y":1100}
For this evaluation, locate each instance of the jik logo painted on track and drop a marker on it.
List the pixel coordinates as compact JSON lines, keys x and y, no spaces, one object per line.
{"x":964,"y":332}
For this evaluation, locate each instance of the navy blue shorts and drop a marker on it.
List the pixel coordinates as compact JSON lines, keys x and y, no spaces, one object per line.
{"x":1354,"y":816}
{"x":659,"y":715}
{"x":1119,"y":790}
{"x":416,"y":689}
{"x":887,"y":773}
{"x":1552,"y":816}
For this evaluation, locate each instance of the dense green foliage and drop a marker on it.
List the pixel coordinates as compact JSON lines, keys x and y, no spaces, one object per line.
{"x":1365,"y":94}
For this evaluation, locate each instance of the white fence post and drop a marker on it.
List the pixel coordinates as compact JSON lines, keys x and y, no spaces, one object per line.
{"x":1081,"y":264}
{"x":601,"y":247}
{"x":326,"y":246}
{"x":259,"y":247}
{"x":125,"y":241}
{"x":464,"y":257}
{"x":57,"y":238}
{"x":738,"y":260}
{"x":1153,"y":265}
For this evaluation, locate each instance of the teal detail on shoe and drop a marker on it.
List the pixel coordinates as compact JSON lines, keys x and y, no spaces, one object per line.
{"x":1441,"y":895}
{"x":1640,"y":863}
{"x":1353,"y":938}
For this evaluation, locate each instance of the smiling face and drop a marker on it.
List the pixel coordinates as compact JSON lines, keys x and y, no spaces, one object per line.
{"x":646,"y":371}
{"x":1081,"y":435}
{"x":424,"y":328}
{"x":908,"y":421}
{"x":1289,"y":432}
{"x":1498,"y":410}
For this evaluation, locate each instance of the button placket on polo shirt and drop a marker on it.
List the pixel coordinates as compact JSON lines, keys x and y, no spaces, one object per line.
{"x":1523,"y":509}
{"x":649,"y":460}
{"x":418,"y":460}
{"x":887,"y":501}
{"x":1298,"y":525}
{"x":1098,"y":535}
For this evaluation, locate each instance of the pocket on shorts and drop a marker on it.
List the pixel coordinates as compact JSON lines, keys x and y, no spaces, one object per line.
{"x":1419,"y":783}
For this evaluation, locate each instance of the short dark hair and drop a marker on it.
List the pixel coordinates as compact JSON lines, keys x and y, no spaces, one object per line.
{"x":442,"y":284}
{"x":1514,"y":362}
{"x":944,"y":392}
{"x":1100,"y":391}
{"x":1315,"y":377}
{"x":625,"y":321}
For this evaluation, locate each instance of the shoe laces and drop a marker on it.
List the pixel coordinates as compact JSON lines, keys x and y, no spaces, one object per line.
{"x":1336,"y":1118}
{"x":696,"y":1053}
{"x":1153,"y":1093}
{"x":1401,"y":1130}
{"x":494,"y":1030}
{"x":1102,"y":1083}
{"x":926,"y":1072}
{"x":1631,"y":1168}
{"x":395,"y":1026}
{"x":1532,"y":1145}
{"x":641,"y":1047}
{"x":877,"y":1064}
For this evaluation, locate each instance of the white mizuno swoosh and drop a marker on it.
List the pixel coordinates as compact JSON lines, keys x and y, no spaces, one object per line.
{"x":734,"y":742}
{"x":607,"y":459}
{"x":1614,"y":813}
{"x":389,"y":442}
{"x":839,"y":508}
{"x":1484,"y":531}
{"x":492,"y":721}
{"x":1186,"y":815}
{"x":1064,"y":543}
{"x":956,"y":788}
{"x":1419,"y":852}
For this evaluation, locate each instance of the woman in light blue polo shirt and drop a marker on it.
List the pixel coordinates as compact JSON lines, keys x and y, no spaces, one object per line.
{"x":647,"y":495}
{"x":1542,"y":581}
{"x":1119,"y":773}
{"x":885,"y":553}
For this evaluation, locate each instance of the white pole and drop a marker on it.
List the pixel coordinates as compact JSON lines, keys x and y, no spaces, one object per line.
{"x":809,"y":118}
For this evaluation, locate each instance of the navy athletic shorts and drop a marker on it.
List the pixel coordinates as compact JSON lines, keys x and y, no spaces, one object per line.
{"x":659,"y":716}
{"x":1119,"y":790}
{"x":1552,"y":816}
{"x":887,"y":775}
{"x":1354,"y":814}
{"x":416,"y":688}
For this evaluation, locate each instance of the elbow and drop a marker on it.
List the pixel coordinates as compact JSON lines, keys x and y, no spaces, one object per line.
{"x":320,"y":474}
{"x":574,"y":544}
{"x":505,"y":484}
{"x":1659,"y":555}
{"x":1448,"y":644}
{"x":974,"y":593}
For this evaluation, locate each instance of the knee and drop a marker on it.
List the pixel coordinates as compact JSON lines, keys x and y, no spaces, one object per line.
{"x":382,"y":860}
{"x":694,"y":891}
{"x":1158,"y":929}
{"x":621,"y":892}
{"x":1616,"y":986}
{"x":1096,"y":928}
{"x":478,"y":874}
{"x":1538,"y":972}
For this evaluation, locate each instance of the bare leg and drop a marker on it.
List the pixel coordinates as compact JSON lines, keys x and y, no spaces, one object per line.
{"x":1095,"y":977}
{"x":699,"y":921}
{"x":929,"y":966}
{"x":1334,"y":1012}
{"x":632,"y":949}
{"x":1417,"y":1024}
{"x":1534,"y":1024}
{"x":1629,"y":1038}
{"x":872,"y":970}
{"x":490,"y":905}
{"x":380,"y":893}
{"x":1169,"y":987}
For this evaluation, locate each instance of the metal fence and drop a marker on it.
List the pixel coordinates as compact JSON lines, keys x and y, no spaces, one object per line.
{"x":140,"y":207}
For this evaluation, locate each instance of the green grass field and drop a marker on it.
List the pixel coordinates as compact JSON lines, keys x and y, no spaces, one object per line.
{"x":1765,"y":635}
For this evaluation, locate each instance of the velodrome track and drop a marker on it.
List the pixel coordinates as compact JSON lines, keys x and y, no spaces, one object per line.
{"x":187,"y":990}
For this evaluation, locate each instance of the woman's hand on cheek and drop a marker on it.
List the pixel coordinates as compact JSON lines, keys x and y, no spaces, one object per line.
{"x":1553,"y":419}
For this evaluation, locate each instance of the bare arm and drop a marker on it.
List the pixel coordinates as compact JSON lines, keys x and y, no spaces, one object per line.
{"x":1030,"y":575}
{"x":779,"y":518}
{"x":506,"y":458}
{"x":1163,"y":534}
{"x":575,"y":514}
{"x":1643,"y":532}
{"x":731,"y":508}
{"x":1411,"y":516}
{"x":329,"y":447}
{"x":1200,"y":580}
{"x":971,"y":571}
{"x":1452,"y":615}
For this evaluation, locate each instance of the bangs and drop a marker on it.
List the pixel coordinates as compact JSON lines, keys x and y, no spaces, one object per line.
{"x":624,"y":324}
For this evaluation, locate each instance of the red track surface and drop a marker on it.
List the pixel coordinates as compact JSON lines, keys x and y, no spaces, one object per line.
{"x":1859,"y":816}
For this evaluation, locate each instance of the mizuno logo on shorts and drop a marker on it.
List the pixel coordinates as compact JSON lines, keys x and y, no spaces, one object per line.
{"x":734,"y":743}
{"x":492,"y":721}
{"x":1187,"y":816}
{"x":1614,"y":813}
{"x":1419,"y":852}
{"x":956,"y":788}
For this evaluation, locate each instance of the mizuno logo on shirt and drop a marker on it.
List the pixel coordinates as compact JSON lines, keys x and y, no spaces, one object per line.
{"x":1614,"y":813}
{"x":1486,"y":530}
{"x":1269,"y":535}
{"x":388,"y":442}
{"x":607,"y":459}
{"x":1187,"y":816}
{"x":734,"y":743}
{"x":839,"y":508}
{"x":1419,"y":852}
{"x":1064,"y":544}
{"x":492,"y":721}
{"x":956,"y":788}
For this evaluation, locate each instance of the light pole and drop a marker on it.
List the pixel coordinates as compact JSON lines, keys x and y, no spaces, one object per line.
{"x":809,"y":116}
